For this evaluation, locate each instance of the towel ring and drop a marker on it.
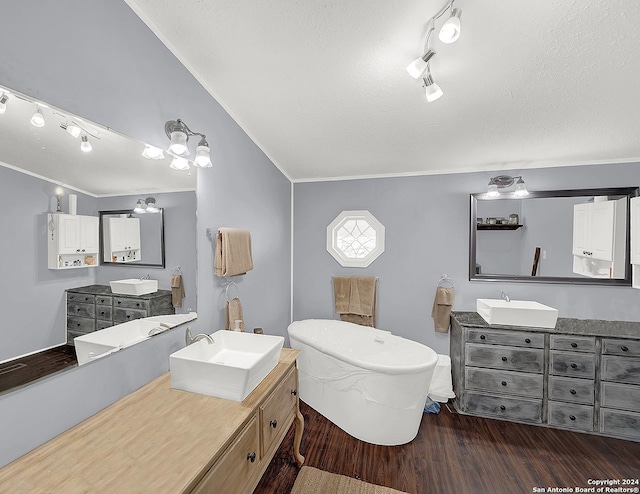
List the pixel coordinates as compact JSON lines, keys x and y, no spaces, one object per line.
{"x":226,"y":291}
{"x":446,"y":282}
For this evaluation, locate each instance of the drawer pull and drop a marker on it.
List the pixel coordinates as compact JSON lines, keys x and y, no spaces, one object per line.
{"x":503,"y":408}
{"x":128,"y":316}
{"x":119,"y":302}
{"x":294,"y":392}
{"x":504,"y":383}
{"x":527,"y":340}
{"x":574,"y":366}
{"x":483,"y":337}
{"x":574,"y":345}
{"x":624,"y":348}
{"x":572,"y":417}
{"x":251,"y":457}
{"x":137,"y":304}
{"x":504,"y":359}
{"x":572,"y":391}
{"x":273,"y":423}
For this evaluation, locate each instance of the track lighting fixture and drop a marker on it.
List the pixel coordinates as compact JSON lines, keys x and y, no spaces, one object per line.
{"x":85,"y":145}
{"x":37,"y":120}
{"x":449,"y":32}
{"x":178,"y":132}
{"x":504,"y":181}
{"x":3,"y":103}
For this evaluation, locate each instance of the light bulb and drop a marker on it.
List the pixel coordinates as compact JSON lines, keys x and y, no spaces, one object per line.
{"x":521,"y":189}
{"x":419,"y":65}
{"x":179,"y":143}
{"x":37,"y":120}
{"x":492,"y":191}
{"x":152,"y":152}
{"x":74,"y":130}
{"x":3,"y":103}
{"x":179,"y":163}
{"x":450,"y":30}
{"x":85,"y":146}
{"x":202,"y":159}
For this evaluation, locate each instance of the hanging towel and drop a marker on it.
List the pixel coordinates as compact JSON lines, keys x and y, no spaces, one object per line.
{"x":177,"y":290}
{"x":233,"y":252}
{"x":355,"y":299}
{"x":233,"y":313}
{"x":441,"y":311}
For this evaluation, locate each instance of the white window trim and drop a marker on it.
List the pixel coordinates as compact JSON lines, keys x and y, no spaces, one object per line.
{"x":332,"y":236}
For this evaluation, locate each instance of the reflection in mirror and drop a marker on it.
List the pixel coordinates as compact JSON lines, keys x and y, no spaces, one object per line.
{"x":127,"y":237}
{"x":44,"y":170}
{"x":540,"y":238}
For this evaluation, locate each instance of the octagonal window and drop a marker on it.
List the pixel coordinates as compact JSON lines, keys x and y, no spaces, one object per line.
{"x":355,"y":238}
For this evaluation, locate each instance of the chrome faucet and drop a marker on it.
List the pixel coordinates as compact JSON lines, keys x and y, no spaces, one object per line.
{"x":192,"y":339}
{"x":160,"y":328}
{"x":146,"y":277}
{"x":504,"y":296}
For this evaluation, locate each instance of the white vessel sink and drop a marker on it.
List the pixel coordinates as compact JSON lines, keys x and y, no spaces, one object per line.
{"x":230,"y":368}
{"x":134,"y":286}
{"x":517,"y":313}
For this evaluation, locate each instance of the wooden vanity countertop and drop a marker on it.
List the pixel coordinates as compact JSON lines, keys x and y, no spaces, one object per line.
{"x":156,"y":440}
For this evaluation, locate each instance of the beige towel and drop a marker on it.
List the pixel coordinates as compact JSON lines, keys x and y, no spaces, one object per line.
{"x":177,"y":290}
{"x":355,"y":299}
{"x":441,"y":312}
{"x":233,"y":313}
{"x":233,"y":252}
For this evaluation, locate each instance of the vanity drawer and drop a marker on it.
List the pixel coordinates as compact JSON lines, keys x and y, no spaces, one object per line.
{"x":579,"y":417}
{"x":619,"y":423}
{"x":573,"y":343}
{"x":235,"y":468}
{"x":81,"y":310}
{"x":80,"y":297}
{"x":276,"y":412}
{"x":519,"y":409}
{"x":623,"y":396}
{"x":103,"y":312}
{"x":572,"y":364}
{"x":571,"y":390}
{"x":621,"y":369}
{"x":512,"y":338}
{"x":629,"y":348}
{"x":80,"y":324}
{"x":104,"y":300}
{"x":130,"y":303}
{"x":124,"y":315}
{"x":103,"y":324}
{"x":512,"y":383}
{"x":502,"y":357}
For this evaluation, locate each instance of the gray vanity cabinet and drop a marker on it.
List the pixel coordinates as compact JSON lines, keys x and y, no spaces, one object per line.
{"x":95,"y":307}
{"x":578,"y":376}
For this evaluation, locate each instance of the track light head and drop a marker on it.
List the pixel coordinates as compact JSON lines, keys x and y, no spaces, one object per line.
{"x":3,"y":103}
{"x":450,"y":30}
{"x":432,"y":90}
{"x":37,"y":120}
{"x":85,"y":145}
{"x":419,"y":65}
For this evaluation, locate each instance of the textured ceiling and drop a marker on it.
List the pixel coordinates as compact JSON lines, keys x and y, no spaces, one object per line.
{"x":321,"y":86}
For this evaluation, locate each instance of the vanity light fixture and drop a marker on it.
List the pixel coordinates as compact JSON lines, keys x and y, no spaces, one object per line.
{"x":85,"y":145}
{"x":151,"y":205}
{"x":140,"y":207}
{"x":3,"y":103}
{"x":152,"y":152}
{"x":37,"y":120}
{"x":178,"y":163}
{"x":449,"y":32}
{"x":178,"y":132}
{"x":504,"y":181}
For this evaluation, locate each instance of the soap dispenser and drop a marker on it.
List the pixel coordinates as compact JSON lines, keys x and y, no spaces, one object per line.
{"x":237,"y":325}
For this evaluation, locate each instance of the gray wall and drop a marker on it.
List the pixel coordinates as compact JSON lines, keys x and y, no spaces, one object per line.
{"x":180,"y":244}
{"x":98,"y":60}
{"x":426,"y":221}
{"x":26,"y":281}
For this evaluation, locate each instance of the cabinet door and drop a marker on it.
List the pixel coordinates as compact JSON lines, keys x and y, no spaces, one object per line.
{"x":68,"y":234}
{"x":89,"y":233}
{"x":581,"y":229}
{"x":602,"y":229}
{"x":133,"y":233}
{"x":635,"y":230}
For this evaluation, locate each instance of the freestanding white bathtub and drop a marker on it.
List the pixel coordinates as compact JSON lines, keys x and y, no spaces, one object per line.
{"x":368,"y":382}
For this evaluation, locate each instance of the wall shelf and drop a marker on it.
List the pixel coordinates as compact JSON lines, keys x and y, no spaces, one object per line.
{"x":498,"y":227}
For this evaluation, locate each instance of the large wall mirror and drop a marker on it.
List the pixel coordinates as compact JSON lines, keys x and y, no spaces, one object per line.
{"x":133,"y":239}
{"x":541,"y":238}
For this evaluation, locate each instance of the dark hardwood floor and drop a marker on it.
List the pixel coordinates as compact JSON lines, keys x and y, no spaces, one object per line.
{"x":459,"y":454}
{"x":27,"y":369}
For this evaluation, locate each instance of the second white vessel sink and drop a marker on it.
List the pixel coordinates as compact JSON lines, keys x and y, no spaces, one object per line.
{"x":134,"y":286}
{"x":230,"y":368}
{"x":517,"y":313}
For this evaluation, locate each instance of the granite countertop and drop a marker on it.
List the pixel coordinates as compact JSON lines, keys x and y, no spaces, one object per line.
{"x":564,"y":325}
{"x":106,"y":290}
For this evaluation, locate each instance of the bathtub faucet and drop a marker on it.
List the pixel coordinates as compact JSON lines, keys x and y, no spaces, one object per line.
{"x":192,"y":339}
{"x":504,"y":296}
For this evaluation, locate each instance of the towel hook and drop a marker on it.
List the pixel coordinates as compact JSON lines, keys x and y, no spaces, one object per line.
{"x":445,"y":281}
{"x":226,"y":290}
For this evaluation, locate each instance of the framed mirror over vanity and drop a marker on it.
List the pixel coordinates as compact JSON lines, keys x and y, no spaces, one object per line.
{"x":548,"y":237}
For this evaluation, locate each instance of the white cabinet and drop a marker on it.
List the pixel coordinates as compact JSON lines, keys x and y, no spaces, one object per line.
{"x":121,"y":239}
{"x":599,"y":238}
{"x":72,"y":241}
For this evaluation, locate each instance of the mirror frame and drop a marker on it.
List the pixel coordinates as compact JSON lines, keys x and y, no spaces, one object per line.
{"x":615,"y":191}
{"x":132,"y":265}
